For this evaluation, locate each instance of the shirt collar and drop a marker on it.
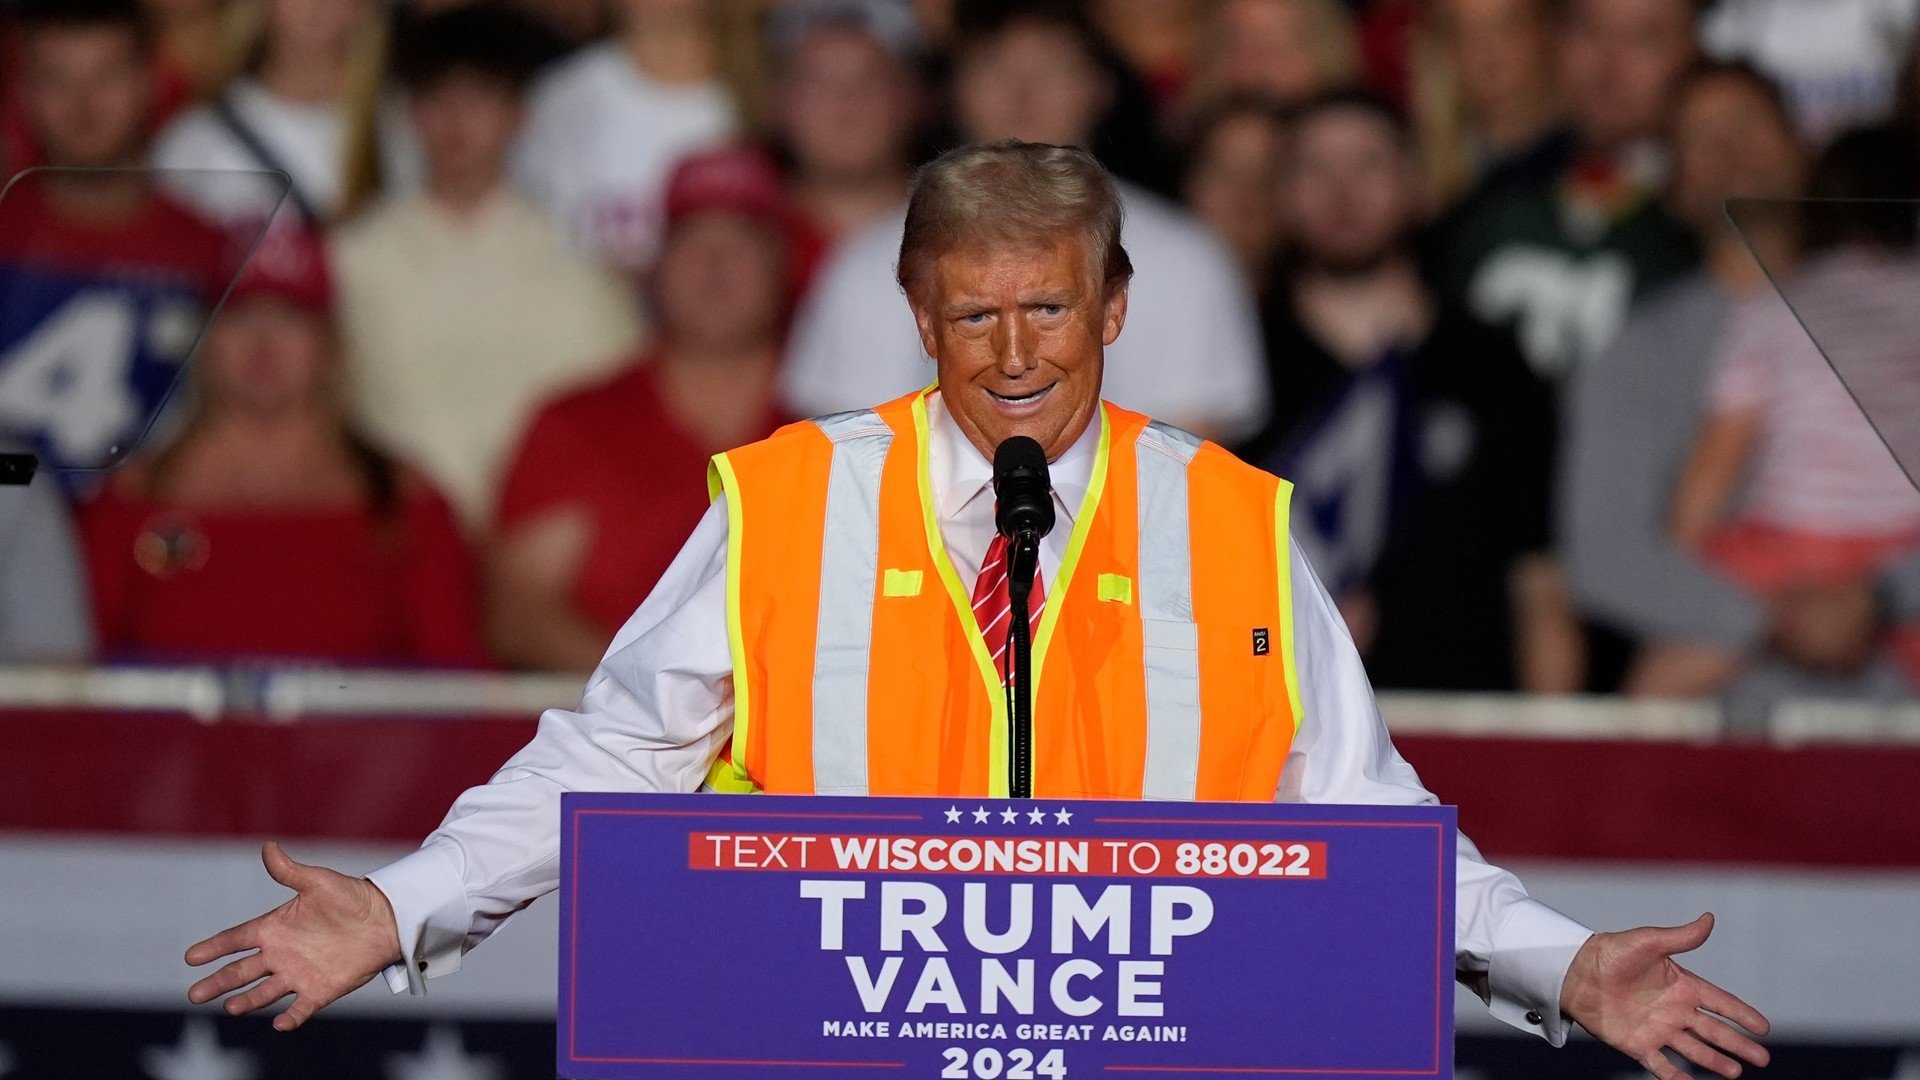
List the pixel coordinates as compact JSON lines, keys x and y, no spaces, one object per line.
{"x":961,"y":474}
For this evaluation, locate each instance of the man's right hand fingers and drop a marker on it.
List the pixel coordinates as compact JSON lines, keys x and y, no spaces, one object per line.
{"x":259,"y":997}
{"x":298,"y":1013}
{"x":281,"y":867}
{"x":232,"y":977}
{"x":234,"y":939}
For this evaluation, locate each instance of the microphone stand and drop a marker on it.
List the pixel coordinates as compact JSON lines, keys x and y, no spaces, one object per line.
{"x":1023,"y":559}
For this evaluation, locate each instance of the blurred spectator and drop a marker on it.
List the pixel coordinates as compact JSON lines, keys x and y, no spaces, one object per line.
{"x":1283,"y":50}
{"x":1632,"y":411}
{"x":611,"y":478}
{"x":1232,"y":163}
{"x":1789,"y":489}
{"x":43,"y":588}
{"x":191,"y":36}
{"x":173,"y":85}
{"x":1838,"y":61}
{"x":1158,"y":39}
{"x":460,"y":305}
{"x":308,"y":99}
{"x":1485,"y":101}
{"x":1418,"y":441}
{"x":102,"y":282}
{"x":1033,"y":75}
{"x":607,"y":124}
{"x":1561,"y":258}
{"x":575,"y":24}
{"x":847,"y":105}
{"x":270,"y":527}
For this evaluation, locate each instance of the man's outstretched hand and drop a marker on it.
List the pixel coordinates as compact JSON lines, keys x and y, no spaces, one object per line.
{"x":328,"y":941}
{"x":1625,"y":989}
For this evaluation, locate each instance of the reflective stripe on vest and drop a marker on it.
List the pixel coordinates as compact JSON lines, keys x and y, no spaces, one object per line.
{"x":1170,"y":645}
{"x":849,"y":566}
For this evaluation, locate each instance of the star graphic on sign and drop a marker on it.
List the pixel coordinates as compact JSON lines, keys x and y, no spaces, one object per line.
{"x":1036,"y":815}
{"x":1009,"y":815}
{"x":443,"y":1056}
{"x":981,"y":814}
{"x":1063,"y":815}
{"x":953,"y":814}
{"x":197,"y":1056}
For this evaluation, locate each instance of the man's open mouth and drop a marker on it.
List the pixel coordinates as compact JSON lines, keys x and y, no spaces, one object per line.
{"x":1022,"y":399}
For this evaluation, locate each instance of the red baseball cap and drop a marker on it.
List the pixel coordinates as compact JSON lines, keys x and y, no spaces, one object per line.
{"x":737,"y":179}
{"x":290,"y":263}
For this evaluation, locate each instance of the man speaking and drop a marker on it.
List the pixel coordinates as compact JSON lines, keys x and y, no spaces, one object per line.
{"x":838,"y":624}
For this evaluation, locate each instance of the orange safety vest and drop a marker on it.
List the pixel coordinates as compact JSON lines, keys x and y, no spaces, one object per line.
{"x":1163,"y":662}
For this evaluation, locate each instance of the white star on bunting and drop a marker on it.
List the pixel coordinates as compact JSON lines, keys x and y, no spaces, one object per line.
{"x":953,"y":814}
{"x":443,"y":1057}
{"x":1063,"y":816}
{"x":980,"y":815}
{"x":198,"y":1056}
{"x":1036,"y":815}
{"x":1009,"y":815}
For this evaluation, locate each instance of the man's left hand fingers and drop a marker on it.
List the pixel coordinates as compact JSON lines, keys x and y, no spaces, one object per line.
{"x":260,"y":996}
{"x":1724,"y":1035}
{"x":1705,"y":1056}
{"x":1715,"y":1000}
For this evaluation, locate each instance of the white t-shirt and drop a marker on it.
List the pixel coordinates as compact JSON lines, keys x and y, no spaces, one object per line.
{"x":456,"y":329}
{"x":1189,"y":354}
{"x":600,"y":140}
{"x":306,"y":139}
{"x":1838,"y":61}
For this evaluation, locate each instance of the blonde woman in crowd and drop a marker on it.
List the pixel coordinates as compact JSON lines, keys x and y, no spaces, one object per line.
{"x":1484,"y":98}
{"x":306,"y":97}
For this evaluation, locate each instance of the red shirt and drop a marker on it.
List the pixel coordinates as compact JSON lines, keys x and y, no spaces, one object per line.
{"x":615,"y":451}
{"x":332,"y":583}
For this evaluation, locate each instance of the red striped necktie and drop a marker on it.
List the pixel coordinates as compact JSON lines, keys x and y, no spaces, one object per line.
{"x":993,"y":602}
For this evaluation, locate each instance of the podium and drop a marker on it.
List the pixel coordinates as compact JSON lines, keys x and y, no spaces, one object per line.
{"x":780,"y":936}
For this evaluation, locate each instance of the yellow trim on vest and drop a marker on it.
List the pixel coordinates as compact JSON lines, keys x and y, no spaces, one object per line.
{"x":720,"y":478}
{"x":1116,"y":589}
{"x":726,"y":778}
{"x":900,"y":582}
{"x":1283,"y":542}
{"x":962,"y":604}
{"x":1082,"y":525}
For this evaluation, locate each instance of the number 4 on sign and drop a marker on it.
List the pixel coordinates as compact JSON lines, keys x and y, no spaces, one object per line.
{"x":988,"y":1063}
{"x":69,"y":378}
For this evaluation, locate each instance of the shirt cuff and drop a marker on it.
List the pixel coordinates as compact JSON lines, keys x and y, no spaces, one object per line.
{"x":429,"y":900}
{"x":1529,"y":962}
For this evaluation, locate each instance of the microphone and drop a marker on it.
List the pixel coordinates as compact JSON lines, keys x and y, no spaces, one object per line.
{"x":1024,"y":492}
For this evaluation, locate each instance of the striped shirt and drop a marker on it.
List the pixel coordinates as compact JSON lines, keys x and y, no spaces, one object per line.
{"x":1819,"y":465}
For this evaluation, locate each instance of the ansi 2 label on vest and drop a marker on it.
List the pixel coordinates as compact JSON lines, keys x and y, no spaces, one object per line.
{"x":704,"y":936}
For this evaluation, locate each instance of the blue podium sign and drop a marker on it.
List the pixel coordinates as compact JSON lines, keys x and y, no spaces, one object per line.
{"x":708,"y":936}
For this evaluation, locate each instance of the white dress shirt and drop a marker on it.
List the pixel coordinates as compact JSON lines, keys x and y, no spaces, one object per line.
{"x":660,"y":707}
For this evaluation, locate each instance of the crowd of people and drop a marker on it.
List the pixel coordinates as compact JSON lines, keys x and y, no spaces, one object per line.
{"x":1459,"y":269}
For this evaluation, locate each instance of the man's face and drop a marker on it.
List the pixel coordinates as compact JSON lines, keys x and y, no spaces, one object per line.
{"x":1266,"y":48}
{"x":1619,"y":63}
{"x":88,"y":94}
{"x":1033,"y":82}
{"x":721,"y":282}
{"x":1018,"y":337}
{"x":1730,"y":142}
{"x":466,"y":121}
{"x":1348,"y":190}
{"x":846,"y":105}
{"x":1501,"y":49}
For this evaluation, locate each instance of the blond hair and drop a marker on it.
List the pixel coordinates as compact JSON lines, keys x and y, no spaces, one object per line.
{"x":1017,"y":194}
